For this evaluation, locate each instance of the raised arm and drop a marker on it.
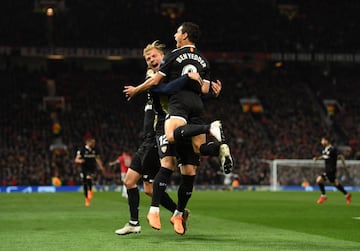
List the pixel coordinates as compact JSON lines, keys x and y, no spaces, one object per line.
{"x":131,"y":91}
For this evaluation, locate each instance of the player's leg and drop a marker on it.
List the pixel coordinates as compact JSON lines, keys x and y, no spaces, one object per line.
{"x":320,"y":181}
{"x":187,"y":106}
{"x":335,"y":182}
{"x":123,"y":188}
{"x":151,"y":166}
{"x":186,"y":120}
{"x":172,"y":124}
{"x":161,"y":180}
{"x":83,"y":176}
{"x":133,"y":226}
{"x":131,"y":179}
{"x":166,"y":201}
{"x":180,"y":216}
{"x":189,"y":161}
{"x":89,"y":180}
{"x":177,"y":129}
{"x":89,"y":186}
{"x":190,"y":130}
{"x":204,"y":148}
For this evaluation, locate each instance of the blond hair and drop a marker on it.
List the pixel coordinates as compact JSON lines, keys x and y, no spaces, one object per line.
{"x":154,"y":45}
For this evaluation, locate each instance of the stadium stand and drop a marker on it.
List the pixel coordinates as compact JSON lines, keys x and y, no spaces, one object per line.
{"x":292,"y":94}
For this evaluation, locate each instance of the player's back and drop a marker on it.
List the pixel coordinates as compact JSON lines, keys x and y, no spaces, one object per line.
{"x":182,"y":61}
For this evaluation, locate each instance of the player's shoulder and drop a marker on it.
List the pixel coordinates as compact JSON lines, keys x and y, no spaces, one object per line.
{"x":82,"y":149}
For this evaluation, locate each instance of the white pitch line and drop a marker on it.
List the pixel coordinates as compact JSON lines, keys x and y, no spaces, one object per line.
{"x":356,"y":218}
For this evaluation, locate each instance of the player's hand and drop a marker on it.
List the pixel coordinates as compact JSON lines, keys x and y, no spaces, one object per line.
{"x":216,"y":87}
{"x":80,"y":161}
{"x":130,"y":91}
{"x":196,"y":76}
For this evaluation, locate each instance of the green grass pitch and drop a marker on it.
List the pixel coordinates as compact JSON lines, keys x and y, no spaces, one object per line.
{"x":220,"y":220}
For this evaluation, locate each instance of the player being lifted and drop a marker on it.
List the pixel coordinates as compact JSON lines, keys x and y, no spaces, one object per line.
{"x":187,"y":102}
{"x":185,"y":107}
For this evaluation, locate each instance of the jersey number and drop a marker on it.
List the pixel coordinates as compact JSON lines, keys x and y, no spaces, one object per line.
{"x":163,"y":140}
{"x":188,"y":68}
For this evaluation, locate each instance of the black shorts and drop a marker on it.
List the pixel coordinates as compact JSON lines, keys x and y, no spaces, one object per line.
{"x":87,"y":171}
{"x":188,"y":105}
{"x":186,"y":154}
{"x":164,"y":148}
{"x":146,"y":161}
{"x":330,"y":176}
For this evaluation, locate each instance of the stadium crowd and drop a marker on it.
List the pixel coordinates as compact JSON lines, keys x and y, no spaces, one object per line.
{"x":262,"y":25}
{"x":289,"y":126}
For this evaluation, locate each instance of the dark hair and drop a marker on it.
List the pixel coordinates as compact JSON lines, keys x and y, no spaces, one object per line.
{"x":88,"y":139}
{"x":327,"y":137}
{"x":193,"y":31}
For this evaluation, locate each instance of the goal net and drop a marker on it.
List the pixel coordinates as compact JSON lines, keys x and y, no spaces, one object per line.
{"x":302,"y":173}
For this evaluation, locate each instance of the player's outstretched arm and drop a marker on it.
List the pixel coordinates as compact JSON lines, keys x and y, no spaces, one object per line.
{"x":317,"y":158}
{"x":131,"y":91}
{"x":113,"y":163}
{"x":176,"y":85}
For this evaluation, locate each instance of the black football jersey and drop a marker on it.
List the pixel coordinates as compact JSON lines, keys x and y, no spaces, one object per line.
{"x":89,"y":155}
{"x":330,"y":155}
{"x":183,"y":60}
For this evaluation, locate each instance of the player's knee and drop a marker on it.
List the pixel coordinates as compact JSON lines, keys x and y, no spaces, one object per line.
{"x":169,"y":162}
{"x":188,"y":170}
{"x":319,"y":180}
{"x":196,"y":149}
{"x":170,"y":137}
{"x":148,"y":189}
{"x":197,"y":141}
{"x":148,"y":193}
{"x":129,"y":183}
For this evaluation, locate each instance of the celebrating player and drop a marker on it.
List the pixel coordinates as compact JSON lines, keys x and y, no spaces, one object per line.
{"x":190,"y":60}
{"x":146,"y":162}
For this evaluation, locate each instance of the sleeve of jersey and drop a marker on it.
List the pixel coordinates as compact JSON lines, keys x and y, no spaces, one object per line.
{"x":209,"y":95}
{"x":172,"y":87}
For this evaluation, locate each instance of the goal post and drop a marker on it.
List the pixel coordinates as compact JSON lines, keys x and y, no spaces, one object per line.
{"x":303,"y":172}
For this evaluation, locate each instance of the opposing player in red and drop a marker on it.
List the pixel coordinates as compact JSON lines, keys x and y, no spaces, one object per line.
{"x":124,"y":159}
